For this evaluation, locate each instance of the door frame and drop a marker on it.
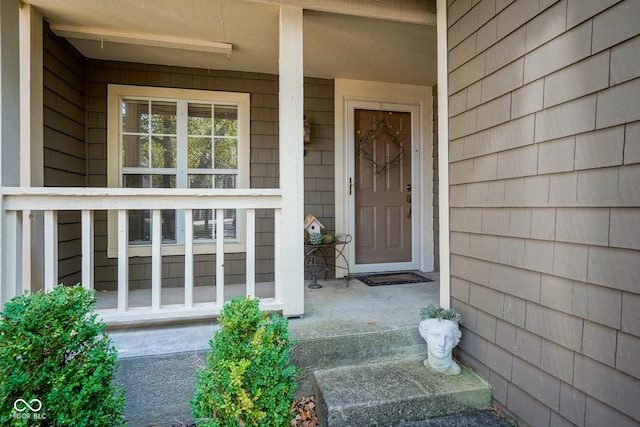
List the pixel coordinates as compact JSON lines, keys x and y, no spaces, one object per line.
{"x":350,"y":94}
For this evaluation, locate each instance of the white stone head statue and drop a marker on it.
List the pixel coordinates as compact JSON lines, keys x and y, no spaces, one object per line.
{"x":442,"y":336}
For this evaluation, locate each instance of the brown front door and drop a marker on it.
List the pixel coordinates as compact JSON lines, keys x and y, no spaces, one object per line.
{"x":382,"y":187}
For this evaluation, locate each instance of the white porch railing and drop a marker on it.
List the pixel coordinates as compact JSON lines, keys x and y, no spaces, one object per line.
{"x":23,"y":201}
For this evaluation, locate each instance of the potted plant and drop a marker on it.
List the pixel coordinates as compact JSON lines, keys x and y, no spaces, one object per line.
{"x":440,"y":328}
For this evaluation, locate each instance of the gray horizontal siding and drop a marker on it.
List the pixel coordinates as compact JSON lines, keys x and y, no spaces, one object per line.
{"x":64,"y":141}
{"x":545,"y":204}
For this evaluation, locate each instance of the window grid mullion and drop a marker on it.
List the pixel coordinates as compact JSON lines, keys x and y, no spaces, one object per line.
{"x":182,"y":157}
{"x":150,"y":134}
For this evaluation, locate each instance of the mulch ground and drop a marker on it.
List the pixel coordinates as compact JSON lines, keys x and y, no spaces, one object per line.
{"x":303,"y":410}
{"x":305,"y":413}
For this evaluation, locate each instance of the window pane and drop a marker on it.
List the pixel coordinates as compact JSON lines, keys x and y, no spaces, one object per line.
{"x":225,"y":181}
{"x":203,"y":221}
{"x":200,"y":153}
{"x":140,"y":220}
{"x":140,"y":227}
{"x":230,"y":223}
{"x":226,"y":120}
{"x":203,"y":224}
{"x":200,"y":181}
{"x":226,"y":153}
{"x":164,"y":152}
{"x":135,"y":151}
{"x":199,"y":119}
{"x":149,"y":181}
{"x":163,"y":117}
{"x":135,"y":116}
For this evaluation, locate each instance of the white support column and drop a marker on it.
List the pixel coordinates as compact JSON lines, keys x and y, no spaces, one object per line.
{"x":9,"y":134}
{"x":443,"y":154}
{"x":220,"y":257}
{"x":291,"y":107}
{"x":156,"y":258}
{"x":123,"y":261}
{"x":87,"y":250}
{"x":32,"y":139}
{"x":188,"y":258}
{"x":50,"y":250}
{"x":10,"y":93}
{"x":250,"y":290}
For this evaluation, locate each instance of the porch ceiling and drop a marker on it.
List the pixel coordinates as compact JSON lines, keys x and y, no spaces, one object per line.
{"x":391,"y":41}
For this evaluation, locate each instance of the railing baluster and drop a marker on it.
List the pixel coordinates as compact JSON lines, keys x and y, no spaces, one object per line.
{"x":220,"y":257}
{"x":123,"y":261}
{"x":87,"y":250}
{"x":188,"y":258}
{"x":277,"y":250}
{"x":50,"y":250}
{"x":156,"y":259}
{"x":251,"y":253}
{"x":11,"y":256}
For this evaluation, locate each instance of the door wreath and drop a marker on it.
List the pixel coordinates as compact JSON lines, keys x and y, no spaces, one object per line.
{"x":382,"y":128}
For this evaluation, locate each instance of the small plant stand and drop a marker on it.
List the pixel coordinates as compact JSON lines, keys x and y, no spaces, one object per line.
{"x":318,"y":260}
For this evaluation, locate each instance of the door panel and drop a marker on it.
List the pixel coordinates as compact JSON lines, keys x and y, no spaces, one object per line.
{"x":383,"y":181}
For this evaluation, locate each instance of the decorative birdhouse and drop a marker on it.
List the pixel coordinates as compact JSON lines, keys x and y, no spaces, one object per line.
{"x":312,"y":225}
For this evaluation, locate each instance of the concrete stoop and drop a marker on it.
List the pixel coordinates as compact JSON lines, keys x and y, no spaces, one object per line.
{"x":395,"y":393}
{"x":365,"y":379}
{"x":348,"y":349}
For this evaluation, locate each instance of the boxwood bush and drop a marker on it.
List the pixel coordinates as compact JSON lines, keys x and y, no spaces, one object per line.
{"x":248,"y":379}
{"x":55,"y":358}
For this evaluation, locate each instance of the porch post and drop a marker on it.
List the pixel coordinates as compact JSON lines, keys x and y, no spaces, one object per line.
{"x":443,"y":154}
{"x":31,"y":141}
{"x":9,"y":137}
{"x":290,"y":269}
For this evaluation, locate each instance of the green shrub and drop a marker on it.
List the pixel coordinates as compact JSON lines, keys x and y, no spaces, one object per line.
{"x":55,"y":357}
{"x":248,"y":378}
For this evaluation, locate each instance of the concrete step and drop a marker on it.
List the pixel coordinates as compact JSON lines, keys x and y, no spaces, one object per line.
{"x":354,"y":347}
{"x":312,"y":353}
{"x":393,"y":393}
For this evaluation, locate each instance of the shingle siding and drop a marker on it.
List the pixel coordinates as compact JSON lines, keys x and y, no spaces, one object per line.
{"x":545,"y":196}
{"x":65,"y":149}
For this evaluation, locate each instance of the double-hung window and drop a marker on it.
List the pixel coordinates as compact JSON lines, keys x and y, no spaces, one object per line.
{"x":175,"y":138}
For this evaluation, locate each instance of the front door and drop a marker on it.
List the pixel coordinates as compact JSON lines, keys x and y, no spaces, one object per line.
{"x":381,"y":190}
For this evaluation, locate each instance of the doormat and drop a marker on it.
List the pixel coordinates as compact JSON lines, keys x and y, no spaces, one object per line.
{"x":396,"y":278}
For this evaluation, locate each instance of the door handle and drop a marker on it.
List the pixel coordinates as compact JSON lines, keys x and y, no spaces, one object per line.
{"x":352,"y":184}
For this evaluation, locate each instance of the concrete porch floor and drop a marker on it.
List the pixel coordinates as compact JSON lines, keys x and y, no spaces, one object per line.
{"x":340,"y":307}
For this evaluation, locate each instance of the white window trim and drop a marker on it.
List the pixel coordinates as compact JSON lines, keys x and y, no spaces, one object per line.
{"x":115,"y":93}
